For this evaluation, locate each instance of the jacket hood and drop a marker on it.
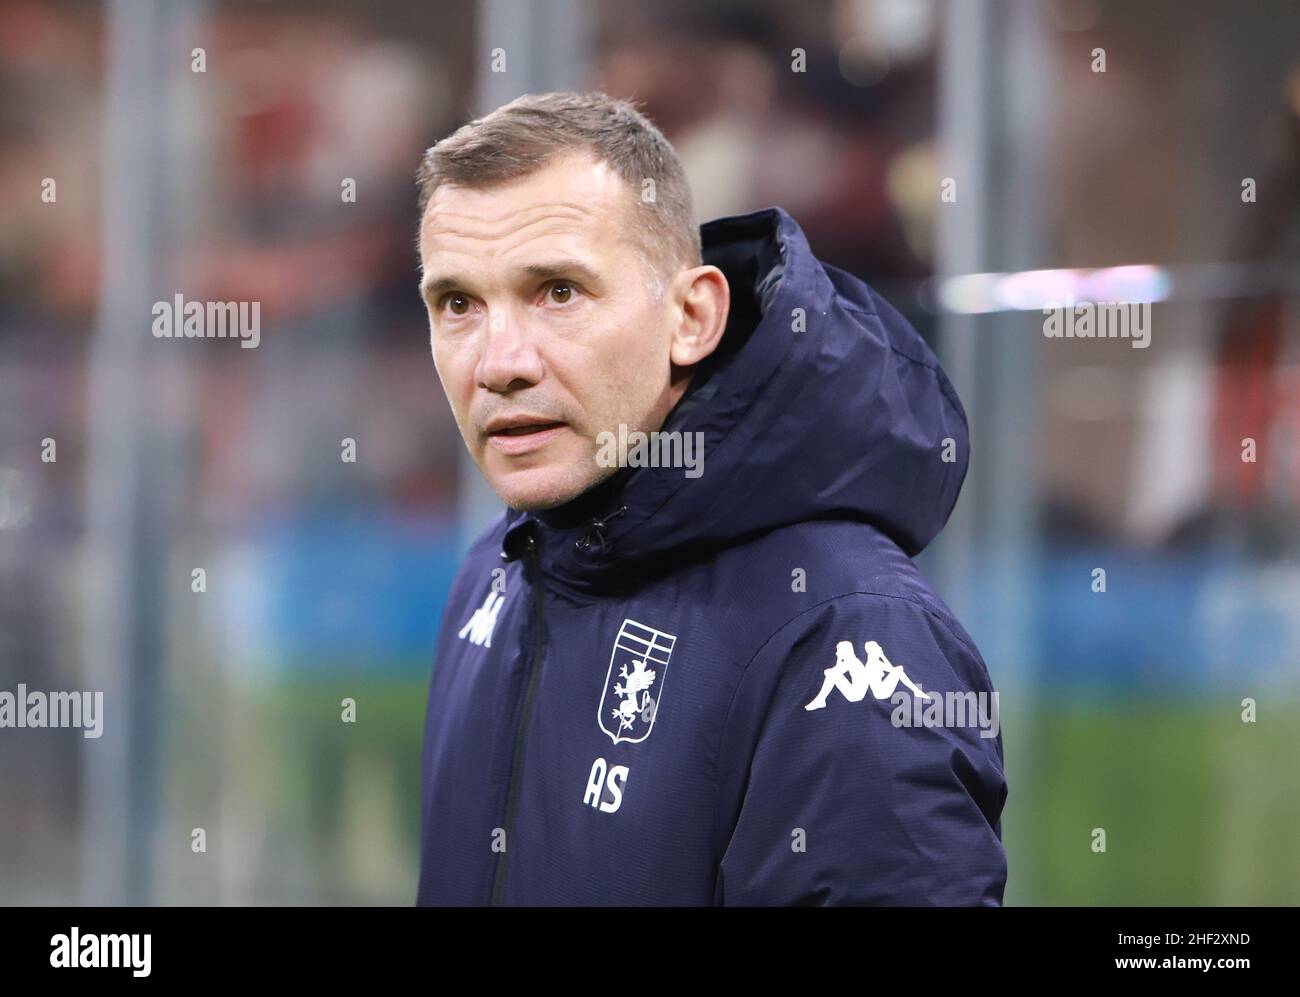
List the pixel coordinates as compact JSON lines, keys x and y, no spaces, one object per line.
{"x":821,"y":401}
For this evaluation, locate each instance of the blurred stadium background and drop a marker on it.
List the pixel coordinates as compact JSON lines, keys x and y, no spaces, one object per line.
{"x":325,"y":579}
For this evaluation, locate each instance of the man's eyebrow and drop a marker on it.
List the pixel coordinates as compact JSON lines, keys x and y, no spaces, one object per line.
{"x":565,"y":268}
{"x":433,"y":287}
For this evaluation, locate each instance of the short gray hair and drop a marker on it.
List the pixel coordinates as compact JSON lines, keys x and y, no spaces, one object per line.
{"x":524,"y":135}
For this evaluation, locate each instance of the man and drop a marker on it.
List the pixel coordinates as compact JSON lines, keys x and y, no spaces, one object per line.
{"x":718,"y":456}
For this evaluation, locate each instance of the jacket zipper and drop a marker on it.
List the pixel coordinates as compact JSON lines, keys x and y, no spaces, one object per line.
{"x":521,"y":731}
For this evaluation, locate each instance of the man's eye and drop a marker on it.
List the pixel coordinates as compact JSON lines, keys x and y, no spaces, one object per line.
{"x":458,"y":303}
{"x":561,"y":293}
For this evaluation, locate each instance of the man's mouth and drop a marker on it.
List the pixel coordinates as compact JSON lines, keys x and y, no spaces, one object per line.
{"x":522,"y":437}
{"x":525,"y":430}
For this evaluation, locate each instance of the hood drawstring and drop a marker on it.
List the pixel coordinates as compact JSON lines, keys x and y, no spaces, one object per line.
{"x":597,"y":528}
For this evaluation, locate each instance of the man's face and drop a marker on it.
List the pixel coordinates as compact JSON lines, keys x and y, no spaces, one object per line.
{"x":542,"y":326}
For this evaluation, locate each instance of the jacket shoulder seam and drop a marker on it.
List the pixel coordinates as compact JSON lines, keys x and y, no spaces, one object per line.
{"x":913,"y":600}
{"x":929,"y":611}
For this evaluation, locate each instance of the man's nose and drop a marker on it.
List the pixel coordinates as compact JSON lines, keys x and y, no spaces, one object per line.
{"x":509,"y":358}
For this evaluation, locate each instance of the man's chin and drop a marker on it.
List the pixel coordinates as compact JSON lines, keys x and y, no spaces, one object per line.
{"x":536,"y":489}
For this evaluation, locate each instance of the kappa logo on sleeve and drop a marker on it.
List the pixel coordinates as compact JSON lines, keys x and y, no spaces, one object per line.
{"x":881,"y":677}
{"x":628,"y":707}
{"x":855,"y":678}
{"x":478,"y":628}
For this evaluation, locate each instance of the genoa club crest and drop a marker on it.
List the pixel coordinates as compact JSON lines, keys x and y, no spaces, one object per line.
{"x":635,"y":681}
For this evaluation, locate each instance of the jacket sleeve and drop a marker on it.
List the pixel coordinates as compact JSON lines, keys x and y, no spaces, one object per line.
{"x":835,"y":789}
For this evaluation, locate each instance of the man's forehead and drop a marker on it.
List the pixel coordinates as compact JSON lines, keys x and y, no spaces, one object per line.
{"x":573,"y":196}
{"x":451,"y":228}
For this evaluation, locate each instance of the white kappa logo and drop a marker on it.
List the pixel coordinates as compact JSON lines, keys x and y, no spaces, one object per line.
{"x":478,"y":628}
{"x":628,"y":707}
{"x":855,"y":678}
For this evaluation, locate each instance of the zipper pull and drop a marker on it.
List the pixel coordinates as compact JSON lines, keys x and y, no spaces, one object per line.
{"x":596,"y":527}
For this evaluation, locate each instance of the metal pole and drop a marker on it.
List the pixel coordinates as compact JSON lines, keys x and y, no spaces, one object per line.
{"x":110,"y":853}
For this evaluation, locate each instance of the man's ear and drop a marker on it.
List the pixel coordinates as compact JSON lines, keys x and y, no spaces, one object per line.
{"x":703,"y":303}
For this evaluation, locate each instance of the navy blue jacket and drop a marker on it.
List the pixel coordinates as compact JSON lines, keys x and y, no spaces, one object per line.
{"x":714,"y":689}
